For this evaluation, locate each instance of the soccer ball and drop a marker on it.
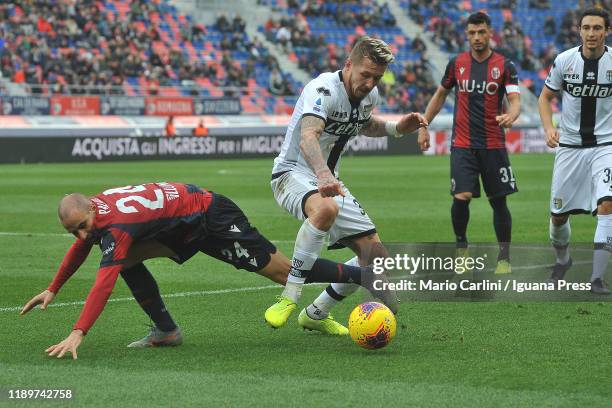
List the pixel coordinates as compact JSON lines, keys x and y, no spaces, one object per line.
{"x":372,"y":325}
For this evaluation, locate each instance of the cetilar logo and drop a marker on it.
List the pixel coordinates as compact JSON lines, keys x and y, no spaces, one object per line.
{"x":109,"y":249}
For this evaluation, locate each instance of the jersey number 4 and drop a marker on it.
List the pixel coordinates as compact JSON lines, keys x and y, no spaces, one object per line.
{"x":145,"y":202}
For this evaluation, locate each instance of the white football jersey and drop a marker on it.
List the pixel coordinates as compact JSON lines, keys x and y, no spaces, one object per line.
{"x":325,"y":98}
{"x":586,"y":87}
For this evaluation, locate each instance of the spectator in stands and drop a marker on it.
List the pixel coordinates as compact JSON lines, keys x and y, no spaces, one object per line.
{"x":276,"y":83}
{"x":539,"y":4}
{"x":387,"y":83}
{"x":201,"y":130}
{"x":283,"y":37}
{"x":418,"y":45}
{"x":222,"y":24}
{"x":550,"y":27}
{"x":238,"y":24}
{"x":170,"y":130}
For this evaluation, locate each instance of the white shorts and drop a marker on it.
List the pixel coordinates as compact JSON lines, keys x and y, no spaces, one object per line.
{"x":581,"y":179}
{"x":293,"y":188}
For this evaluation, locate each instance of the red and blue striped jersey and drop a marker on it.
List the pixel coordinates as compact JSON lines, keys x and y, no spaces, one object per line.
{"x":126,"y":215}
{"x":479,"y":92}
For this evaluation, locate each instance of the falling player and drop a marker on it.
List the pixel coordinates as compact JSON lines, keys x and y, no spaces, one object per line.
{"x":134,"y":223}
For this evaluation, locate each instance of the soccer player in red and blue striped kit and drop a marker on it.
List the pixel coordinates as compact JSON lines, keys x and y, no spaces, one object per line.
{"x":134,"y":223}
{"x":481,"y":78}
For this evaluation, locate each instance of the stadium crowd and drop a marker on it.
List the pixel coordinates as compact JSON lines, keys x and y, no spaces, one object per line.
{"x":79,"y":47}
{"x":407,"y":87}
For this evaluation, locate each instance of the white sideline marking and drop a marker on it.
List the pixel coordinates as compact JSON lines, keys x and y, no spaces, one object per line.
{"x":247,"y":289}
{"x":56,"y":234}
{"x":170,"y":295}
{"x":33,"y":234}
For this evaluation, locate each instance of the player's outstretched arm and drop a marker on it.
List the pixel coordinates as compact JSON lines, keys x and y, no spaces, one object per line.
{"x":43,"y":299}
{"x":311,"y":130}
{"x":514,"y":110}
{"x":433,"y":108}
{"x":544,"y":106}
{"x":376,"y":127}
{"x":69,"y":344}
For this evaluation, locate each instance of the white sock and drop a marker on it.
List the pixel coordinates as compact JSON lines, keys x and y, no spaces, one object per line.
{"x":602,"y":240}
{"x":308,"y":244}
{"x":559,"y":238}
{"x":320,"y":307}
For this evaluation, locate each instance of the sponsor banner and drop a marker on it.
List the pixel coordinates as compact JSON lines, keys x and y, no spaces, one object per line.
{"x":513,"y":140}
{"x":532,"y":141}
{"x":218,"y":106}
{"x":67,"y":149}
{"x":163,"y":106}
{"x":123,"y":105}
{"x":525,"y":140}
{"x":25,"y":105}
{"x":75,"y":105}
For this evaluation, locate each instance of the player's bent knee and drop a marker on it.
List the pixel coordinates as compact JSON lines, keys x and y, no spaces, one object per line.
{"x":368,"y":248}
{"x":324,"y":214}
{"x":466,"y":196}
{"x":604,"y":208}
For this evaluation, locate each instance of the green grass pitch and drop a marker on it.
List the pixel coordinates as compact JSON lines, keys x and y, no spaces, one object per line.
{"x":556,"y":354}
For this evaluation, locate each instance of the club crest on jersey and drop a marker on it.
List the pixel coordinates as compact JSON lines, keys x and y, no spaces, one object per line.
{"x":557,"y":203}
{"x":495,"y":73}
{"x":461,"y":70}
{"x":609,"y":75}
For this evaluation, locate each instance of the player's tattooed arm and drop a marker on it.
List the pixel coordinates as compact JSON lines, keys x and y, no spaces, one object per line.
{"x":374,"y":127}
{"x":311,"y":130}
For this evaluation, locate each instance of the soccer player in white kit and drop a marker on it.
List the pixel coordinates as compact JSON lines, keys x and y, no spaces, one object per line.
{"x":582,"y":174}
{"x":332,"y":109}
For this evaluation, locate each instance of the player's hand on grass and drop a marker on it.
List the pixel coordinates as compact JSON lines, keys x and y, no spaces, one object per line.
{"x":42,"y":299}
{"x":328,"y":185}
{"x":423,"y":139}
{"x":69,"y":344}
{"x":505,"y":120}
{"x":411,"y":122}
{"x":552,"y":137}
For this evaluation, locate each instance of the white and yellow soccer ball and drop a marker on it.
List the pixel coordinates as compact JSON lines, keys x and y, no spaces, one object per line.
{"x":372,"y":325}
